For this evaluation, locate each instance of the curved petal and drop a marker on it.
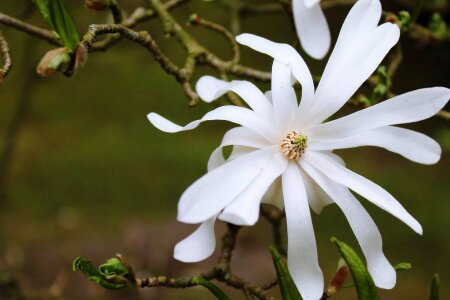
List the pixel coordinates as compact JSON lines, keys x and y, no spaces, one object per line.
{"x":282,"y":94}
{"x":317,"y":198}
{"x":216,"y":189}
{"x":366,"y":56}
{"x":239,"y":115}
{"x":285,"y":54}
{"x":366,"y":188}
{"x":408,"y":143}
{"x":236,"y":136}
{"x":363,"y":226}
{"x":210,"y":88}
{"x":312,"y":27}
{"x":244,"y":210}
{"x":274,"y":195}
{"x":199,"y":245}
{"x":303,"y":262}
{"x":406,"y":108}
{"x":309,"y":3}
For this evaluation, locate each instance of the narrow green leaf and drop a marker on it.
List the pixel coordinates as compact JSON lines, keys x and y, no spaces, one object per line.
{"x":435,"y":285}
{"x":402,"y":266}
{"x":365,"y":287}
{"x":214,"y":289}
{"x":57,"y":15}
{"x":287,"y":286}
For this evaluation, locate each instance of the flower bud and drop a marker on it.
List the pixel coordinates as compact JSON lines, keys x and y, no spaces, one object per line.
{"x":98,"y":4}
{"x":56,"y":60}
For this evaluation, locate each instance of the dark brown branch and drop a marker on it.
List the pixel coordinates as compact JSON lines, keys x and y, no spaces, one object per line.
{"x":30,"y":29}
{"x":163,"y":281}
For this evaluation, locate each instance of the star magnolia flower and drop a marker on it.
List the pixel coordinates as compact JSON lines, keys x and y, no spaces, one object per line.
{"x":284,"y":148}
{"x":312,"y":27}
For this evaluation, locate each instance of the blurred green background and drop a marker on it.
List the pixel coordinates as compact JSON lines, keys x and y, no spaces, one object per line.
{"x":89,"y":176}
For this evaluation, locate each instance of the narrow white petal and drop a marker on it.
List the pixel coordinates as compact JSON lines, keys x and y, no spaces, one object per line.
{"x":239,"y":115}
{"x":274,"y":195}
{"x":303,"y":262}
{"x":408,"y":143}
{"x":285,"y":54}
{"x":366,"y":188}
{"x":312,"y":27}
{"x":340,"y":82}
{"x":363,"y":226}
{"x":210,"y":88}
{"x":283,"y":94}
{"x":199,"y":245}
{"x":310,"y":3}
{"x":216,"y":189}
{"x":406,"y":108}
{"x":317,"y":198}
{"x":240,"y":136}
{"x":244,"y":210}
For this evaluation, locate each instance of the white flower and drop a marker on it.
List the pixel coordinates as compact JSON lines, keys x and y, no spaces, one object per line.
{"x":283,"y":146}
{"x":312,"y":27}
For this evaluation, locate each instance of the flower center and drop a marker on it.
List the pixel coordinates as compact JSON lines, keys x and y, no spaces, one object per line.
{"x":294,"y":145}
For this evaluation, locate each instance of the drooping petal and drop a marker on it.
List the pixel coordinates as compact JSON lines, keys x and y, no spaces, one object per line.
{"x":310,"y":3}
{"x":363,"y":226}
{"x":240,"y":136}
{"x":216,"y":189}
{"x":239,"y":115}
{"x":366,"y":188}
{"x":199,"y":245}
{"x":312,"y":27}
{"x":287,"y":55}
{"x":283,"y":95}
{"x":407,"y":108}
{"x":302,"y":249}
{"x":210,"y":88}
{"x":244,"y":210}
{"x":408,"y":143}
{"x":274,"y":195}
{"x":317,"y":198}
{"x":360,"y":48}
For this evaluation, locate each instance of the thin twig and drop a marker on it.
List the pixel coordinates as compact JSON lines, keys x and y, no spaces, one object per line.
{"x":4,"y":52}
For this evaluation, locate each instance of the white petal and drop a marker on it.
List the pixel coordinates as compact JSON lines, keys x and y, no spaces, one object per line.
{"x":238,"y":115}
{"x":274,"y":195}
{"x":317,"y":198}
{"x":283,"y":94}
{"x":236,"y":136}
{"x":310,"y":3}
{"x":216,"y":189}
{"x":341,"y":81}
{"x":199,"y":245}
{"x":408,"y":143}
{"x":406,"y":108}
{"x":238,"y":151}
{"x":302,"y":249}
{"x":312,"y":27}
{"x":287,"y":55}
{"x":363,"y":226}
{"x":244,"y":210}
{"x":366,"y":188}
{"x":210,"y":88}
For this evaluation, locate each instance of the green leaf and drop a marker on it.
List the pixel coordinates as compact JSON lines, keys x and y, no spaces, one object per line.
{"x":402,"y":266}
{"x":57,"y":15}
{"x":287,"y":286}
{"x":435,"y":285}
{"x":112,"y":275}
{"x":365,"y":287}
{"x":211,"y":287}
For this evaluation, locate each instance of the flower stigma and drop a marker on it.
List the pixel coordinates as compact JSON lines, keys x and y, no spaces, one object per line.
{"x":294,"y":145}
